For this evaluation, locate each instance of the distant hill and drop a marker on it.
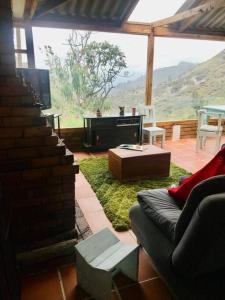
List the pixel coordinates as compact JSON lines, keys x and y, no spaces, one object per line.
{"x":160,"y":75}
{"x":178,"y":90}
{"x":203,"y":84}
{"x":171,"y":73}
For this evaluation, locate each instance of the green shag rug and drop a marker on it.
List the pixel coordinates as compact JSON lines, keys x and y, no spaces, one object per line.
{"x":115,"y":197}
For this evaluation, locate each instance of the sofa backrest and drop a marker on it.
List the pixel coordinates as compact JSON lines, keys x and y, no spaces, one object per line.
{"x":211,"y":186}
{"x":202,"y":246}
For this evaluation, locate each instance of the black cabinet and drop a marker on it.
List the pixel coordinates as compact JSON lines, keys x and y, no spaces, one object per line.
{"x":101,"y":133}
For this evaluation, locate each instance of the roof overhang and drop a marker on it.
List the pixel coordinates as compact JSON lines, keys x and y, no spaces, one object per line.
{"x":197,"y":16}
{"x":111,"y":16}
{"x":94,"y":12}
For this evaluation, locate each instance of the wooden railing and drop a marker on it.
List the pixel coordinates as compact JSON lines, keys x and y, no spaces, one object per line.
{"x":74,"y":136}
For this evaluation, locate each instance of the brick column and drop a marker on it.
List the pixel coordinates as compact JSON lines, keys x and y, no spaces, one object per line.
{"x":36,"y":170}
{"x":7,"y":56}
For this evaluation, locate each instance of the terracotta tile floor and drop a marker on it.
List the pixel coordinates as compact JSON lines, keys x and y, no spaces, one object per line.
{"x":61,"y":283}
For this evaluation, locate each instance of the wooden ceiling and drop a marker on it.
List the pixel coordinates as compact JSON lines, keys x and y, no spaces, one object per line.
{"x":97,"y":12}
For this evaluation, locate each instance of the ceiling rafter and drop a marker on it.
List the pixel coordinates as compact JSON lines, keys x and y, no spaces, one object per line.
{"x":49,"y":6}
{"x":201,"y":9}
{"x":187,"y":22}
{"x":129,"y":28}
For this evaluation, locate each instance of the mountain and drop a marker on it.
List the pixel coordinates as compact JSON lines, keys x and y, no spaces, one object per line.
{"x":171,"y":73}
{"x":204,"y":84}
{"x":159,"y":75}
{"x":178,"y":90}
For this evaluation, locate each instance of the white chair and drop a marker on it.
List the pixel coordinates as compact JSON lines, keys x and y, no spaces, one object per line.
{"x":205,"y":130}
{"x":149,"y":125}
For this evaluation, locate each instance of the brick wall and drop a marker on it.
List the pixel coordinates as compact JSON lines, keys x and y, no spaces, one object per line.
{"x":36,"y":170}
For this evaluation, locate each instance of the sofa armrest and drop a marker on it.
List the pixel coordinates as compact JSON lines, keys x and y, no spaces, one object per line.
{"x":211,"y":186}
{"x":202,"y":247}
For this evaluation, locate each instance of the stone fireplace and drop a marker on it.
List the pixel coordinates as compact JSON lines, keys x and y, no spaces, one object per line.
{"x":37,"y":171}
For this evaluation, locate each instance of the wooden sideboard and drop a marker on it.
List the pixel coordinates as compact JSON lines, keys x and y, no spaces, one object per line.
{"x":101,"y":133}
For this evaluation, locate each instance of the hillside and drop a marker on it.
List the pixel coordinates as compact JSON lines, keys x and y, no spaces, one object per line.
{"x":176,"y":96}
{"x":160,"y":75}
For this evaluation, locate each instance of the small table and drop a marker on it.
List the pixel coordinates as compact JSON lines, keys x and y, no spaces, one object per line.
{"x":151,"y":163}
{"x":215,"y":108}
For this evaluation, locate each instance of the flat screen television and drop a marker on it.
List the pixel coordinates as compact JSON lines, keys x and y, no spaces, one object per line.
{"x":39,"y":80}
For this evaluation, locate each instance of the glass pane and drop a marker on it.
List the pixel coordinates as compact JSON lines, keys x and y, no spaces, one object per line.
{"x":19,"y":38}
{"x":188,"y":74}
{"x":106,"y":72}
{"x":21,"y":60}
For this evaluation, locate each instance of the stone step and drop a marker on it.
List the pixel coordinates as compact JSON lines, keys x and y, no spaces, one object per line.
{"x":28,"y":142}
{"x":20,"y":112}
{"x":12,"y":90}
{"x":29,"y":175}
{"x":20,"y":101}
{"x":7,"y":70}
{"x":37,"y":131}
{"x":36,"y":152}
{"x":6,"y":133}
{"x":9,"y":80}
{"x":36,"y":196}
{"x":42,"y":229}
{"x":11,"y":122}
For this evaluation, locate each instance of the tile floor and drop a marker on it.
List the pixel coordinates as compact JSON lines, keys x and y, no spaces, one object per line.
{"x":61,"y":283}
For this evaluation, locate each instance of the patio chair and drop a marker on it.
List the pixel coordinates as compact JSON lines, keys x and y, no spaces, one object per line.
{"x":204,"y":130}
{"x":151,"y":131}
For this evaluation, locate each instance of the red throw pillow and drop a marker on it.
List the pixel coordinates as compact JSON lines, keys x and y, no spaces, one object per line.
{"x":215,"y":167}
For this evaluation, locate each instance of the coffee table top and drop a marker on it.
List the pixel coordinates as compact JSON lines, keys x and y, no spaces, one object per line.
{"x":148,"y":150}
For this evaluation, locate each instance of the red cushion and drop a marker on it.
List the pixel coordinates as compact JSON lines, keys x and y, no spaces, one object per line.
{"x":215,"y":167}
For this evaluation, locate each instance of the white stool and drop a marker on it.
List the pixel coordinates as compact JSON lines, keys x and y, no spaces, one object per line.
{"x":99,"y":258}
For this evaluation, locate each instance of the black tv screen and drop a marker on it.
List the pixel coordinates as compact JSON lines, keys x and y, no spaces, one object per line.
{"x":39,"y":80}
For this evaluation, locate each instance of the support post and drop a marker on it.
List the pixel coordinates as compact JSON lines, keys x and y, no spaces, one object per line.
{"x":149,"y":71}
{"x":30,"y":47}
{"x":18,"y":46}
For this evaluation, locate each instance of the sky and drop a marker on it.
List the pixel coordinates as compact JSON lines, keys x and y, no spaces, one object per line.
{"x":168,"y":51}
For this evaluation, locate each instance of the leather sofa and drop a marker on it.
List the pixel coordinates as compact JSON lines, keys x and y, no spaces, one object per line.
{"x":186,"y":244}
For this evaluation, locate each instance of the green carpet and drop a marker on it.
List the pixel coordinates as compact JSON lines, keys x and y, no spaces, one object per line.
{"x":117,"y":198}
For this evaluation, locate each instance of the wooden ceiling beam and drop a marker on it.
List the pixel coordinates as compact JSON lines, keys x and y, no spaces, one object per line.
{"x":201,"y":9}
{"x":18,"y":8}
{"x":30,"y":8}
{"x":128,"y":28}
{"x":132,"y":5}
{"x":187,"y":22}
{"x":51,"y":8}
{"x":48,"y":6}
{"x":195,"y":35}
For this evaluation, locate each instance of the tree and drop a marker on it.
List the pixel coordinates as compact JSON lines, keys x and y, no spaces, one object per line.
{"x":88,"y":73}
{"x":197,"y":101}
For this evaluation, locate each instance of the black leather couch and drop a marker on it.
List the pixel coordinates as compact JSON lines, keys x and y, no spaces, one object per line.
{"x":186,"y":244}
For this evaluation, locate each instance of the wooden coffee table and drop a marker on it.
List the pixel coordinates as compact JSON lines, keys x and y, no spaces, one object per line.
{"x":151,"y":163}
